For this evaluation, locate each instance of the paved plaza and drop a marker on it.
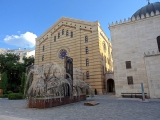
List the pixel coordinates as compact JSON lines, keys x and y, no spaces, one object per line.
{"x":110,"y":108}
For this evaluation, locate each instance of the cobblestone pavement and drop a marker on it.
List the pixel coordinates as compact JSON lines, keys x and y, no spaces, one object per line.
{"x":110,"y":108}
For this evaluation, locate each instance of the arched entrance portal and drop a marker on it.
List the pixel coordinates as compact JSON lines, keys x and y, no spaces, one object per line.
{"x":110,"y":85}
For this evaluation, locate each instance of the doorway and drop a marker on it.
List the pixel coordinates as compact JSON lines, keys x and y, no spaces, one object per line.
{"x":110,"y":86}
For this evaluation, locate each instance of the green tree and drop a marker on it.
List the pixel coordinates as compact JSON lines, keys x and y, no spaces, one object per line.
{"x":23,"y":82}
{"x":4,"y":82}
{"x":9,"y":63}
{"x":28,"y":61}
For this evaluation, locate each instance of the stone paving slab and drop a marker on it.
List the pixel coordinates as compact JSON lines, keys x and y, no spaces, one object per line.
{"x":108,"y":109}
{"x":91,"y":103}
{"x":5,"y":117}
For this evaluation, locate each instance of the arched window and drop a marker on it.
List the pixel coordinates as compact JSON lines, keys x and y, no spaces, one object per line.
{"x":158,"y":42}
{"x":87,"y":62}
{"x":67,"y":33}
{"x":87,"y":50}
{"x":54,"y":38}
{"x":71,"y":34}
{"x":58,"y":35}
{"x":108,"y":51}
{"x":43,"y":49}
{"x":86,"y":39}
{"x":62,"y":31}
{"x":104,"y":46}
{"x":42,"y":57}
{"x":87,"y":74}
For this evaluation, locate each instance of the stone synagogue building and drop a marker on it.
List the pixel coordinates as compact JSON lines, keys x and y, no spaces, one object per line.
{"x":83,"y":41}
{"x":136,"y":52}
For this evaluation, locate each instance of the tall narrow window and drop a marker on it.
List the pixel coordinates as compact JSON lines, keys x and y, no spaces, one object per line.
{"x":130,"y":80}
{"x":71,"y":34}
{"x":108,"y":61}
{"x":67,"y":33}
{"x":87,"y":74}
{"x":104,"y":46}
{"x":58,"y":35}
{"x":128,"y":64}
{"x":87,"y":62}
{"x":87,"y":50}
{"x":54,"y":38}
{"x":158,"y":42}
{"x":108,"y":51}
{"x":63,"y":32}
{"x":43,"y":49}
{"x":86,"y":39}
{"x":42,"y":57}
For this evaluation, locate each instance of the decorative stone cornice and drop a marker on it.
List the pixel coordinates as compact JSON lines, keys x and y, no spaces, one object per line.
{"x":147,"y":15}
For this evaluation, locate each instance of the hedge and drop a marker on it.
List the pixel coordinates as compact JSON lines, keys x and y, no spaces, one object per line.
{"x":4,"y":96}
{"x":15,"y":96}
{"x":9,"y":92}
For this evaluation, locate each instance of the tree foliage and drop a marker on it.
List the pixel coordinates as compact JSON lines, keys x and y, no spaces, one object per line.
{"x":22,"y":82}
{"x":28,"y":61}
{"x":9,"y":63}
{"x":4,"y":82}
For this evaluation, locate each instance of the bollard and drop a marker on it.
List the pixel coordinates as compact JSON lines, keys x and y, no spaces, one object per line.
{"x":143,"y":96}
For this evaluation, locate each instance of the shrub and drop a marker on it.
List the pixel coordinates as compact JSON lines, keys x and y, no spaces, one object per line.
{"x":95,"y":91}
{"x":15,"y":96}
{"x":87,"y":96}
{"x":4,"y":96}
{"x":9,"y":92}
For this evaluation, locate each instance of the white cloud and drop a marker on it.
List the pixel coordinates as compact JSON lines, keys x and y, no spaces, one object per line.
{"x":23,"y":40}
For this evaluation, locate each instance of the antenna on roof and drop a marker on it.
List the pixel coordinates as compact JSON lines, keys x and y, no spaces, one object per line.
{"x":148,"y":1}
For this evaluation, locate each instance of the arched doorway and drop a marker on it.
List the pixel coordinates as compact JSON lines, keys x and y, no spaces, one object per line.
{"x":110,"y":85}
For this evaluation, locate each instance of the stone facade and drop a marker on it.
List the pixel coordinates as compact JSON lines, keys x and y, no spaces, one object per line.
{"x":83,"y":41}
{"x":134,"y":40}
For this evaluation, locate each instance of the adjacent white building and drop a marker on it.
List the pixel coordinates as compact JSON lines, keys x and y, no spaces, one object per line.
{"x":2,"y":50}
{"x":21,"y":52}
{"x":136,"y":52}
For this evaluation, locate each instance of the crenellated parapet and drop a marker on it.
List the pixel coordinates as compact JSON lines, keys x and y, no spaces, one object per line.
{"x":143,"y":16}
{"x":151,"y":53}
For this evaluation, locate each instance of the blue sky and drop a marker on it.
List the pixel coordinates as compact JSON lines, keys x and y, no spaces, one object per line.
{"x":23,"y":20}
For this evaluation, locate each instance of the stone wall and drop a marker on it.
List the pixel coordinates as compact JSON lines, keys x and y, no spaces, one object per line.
{"x":130,"y":40}
{"x":153,"y":73}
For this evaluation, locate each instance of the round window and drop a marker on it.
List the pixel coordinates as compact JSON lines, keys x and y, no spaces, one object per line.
{"x":62,"y":54}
